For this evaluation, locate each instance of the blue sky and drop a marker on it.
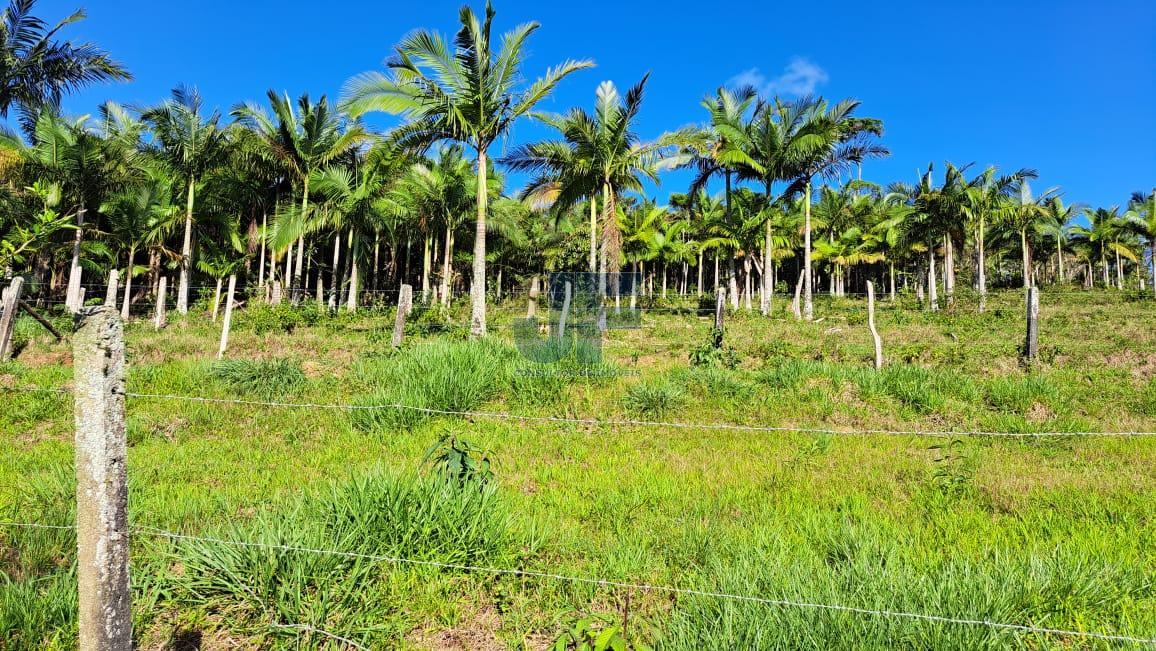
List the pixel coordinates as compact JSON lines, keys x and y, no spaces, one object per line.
{"x":1066,"y":87}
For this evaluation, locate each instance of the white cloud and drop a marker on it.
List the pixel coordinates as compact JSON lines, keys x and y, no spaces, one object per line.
{"x":800,"y":77}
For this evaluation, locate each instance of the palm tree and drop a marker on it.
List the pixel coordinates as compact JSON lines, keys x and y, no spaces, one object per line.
{"x":1101,"y":237}
{"x":984,"y":194}
{"x":468,"y":94}
{"x":1144,"y":223}
{"x":721,"y":148}
{"x":67,"y":156}
{"x":832,"y":140}
{"x":1022,"y":212}
{"x":598,"y":152}
{"x":303,"y":141}
{"x":1057,"y":226}
{"x":192,"y":144}
{"x":36,"y":71}
{"x":140,"y":216}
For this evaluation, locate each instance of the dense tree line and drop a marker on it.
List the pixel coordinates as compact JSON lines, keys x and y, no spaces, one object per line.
{"x":300,"y":193}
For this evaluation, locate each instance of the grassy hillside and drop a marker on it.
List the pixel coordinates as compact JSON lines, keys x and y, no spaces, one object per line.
{"x":1054,"y":532}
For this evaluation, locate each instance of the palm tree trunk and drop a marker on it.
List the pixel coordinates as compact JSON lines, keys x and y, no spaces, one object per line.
{"x":949,"y":269}
{"x":892,"y":297}
{"x":1119,"y":272}
{"x":1027,"y":258}
{"x":747,"y":285}
{"x":447,"y":269}
{"x":334,"y":278}
{"x":699,"y":273}
{"x":298,"y":287}
{"x":932,"y":298}
{"x":478,"y":286}
{"x":981,"y":266}
{"x":186,"y":251}
{"x":127,"y":284}
{"x":351,"y":299}
{"x":767,"y":278}
{"x":75,"y":273}
{"x":593,"y":233}
{"x":808,"y":305}
{"x":374,"y":276}
{"x":261,"y":256}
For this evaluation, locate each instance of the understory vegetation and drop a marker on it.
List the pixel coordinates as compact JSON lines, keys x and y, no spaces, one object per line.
{"x":1053,"y":532}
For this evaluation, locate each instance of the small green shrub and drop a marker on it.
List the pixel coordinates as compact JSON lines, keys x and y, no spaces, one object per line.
{"x":459,"y":461}
{"x":594,"y":633}
{"x":263,"y":318}
{"x":265,"y":378}
{"x":653,"y":399}
{"x":714,"y":352}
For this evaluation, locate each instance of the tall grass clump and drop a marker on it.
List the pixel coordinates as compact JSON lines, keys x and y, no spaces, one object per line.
{"x":874,"y":567}
{"x":446,"y":376}
{"x":653,"y":398}
{"x":264,"y":378}
{"x":37,"y":566}
{"x":352,"y":593}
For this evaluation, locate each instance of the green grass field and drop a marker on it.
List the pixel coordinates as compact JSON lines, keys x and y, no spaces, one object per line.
{"x":1052,"y":532}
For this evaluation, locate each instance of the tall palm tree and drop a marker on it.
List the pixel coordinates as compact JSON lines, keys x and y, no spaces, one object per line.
{"x":36,"y":70}
{"x":1101,"y":237}
{"x":833,"y":139}
{"x":468,"y":94}
{"x":140,"y":216}
{"x":1144,"y":223}
{"x":1023,"y":212}
{"x":722,"y":148}
{"x":192,"y":144}
{"x":1057,"y":226}
{"x":303,"y":140}
{"x":598,"y":152}
{"x":984,"y":194}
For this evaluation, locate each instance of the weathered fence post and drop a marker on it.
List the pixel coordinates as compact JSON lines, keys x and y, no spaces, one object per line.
{"x":160,"y":318}
{"x":720,"y":308}
{"x":8,"y":310}
{"x":1032,"y":344}
{"x":79,"y":300}
{"x":113,"y":286}
{"x":228,"y":317}
{"x":566,"y":297}
{"x":101,"y":488}
{"x":871,"y":325}
{"x":404,"y":305}
{"x":532,"y":307}
{"x":275,"y":293}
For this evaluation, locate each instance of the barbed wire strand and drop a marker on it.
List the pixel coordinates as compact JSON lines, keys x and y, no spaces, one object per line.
{"x":645,"y":587}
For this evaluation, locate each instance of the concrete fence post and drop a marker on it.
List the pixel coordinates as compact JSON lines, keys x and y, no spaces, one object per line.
{"x":228,"y":317}
{"x":1032,"y":344}
{"x":101,"y":489}
{"x":404,"y":305}
{"x":8,"y":309}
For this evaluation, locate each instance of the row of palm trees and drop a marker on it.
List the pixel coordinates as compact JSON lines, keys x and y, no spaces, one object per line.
{"x":300,"y":194}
